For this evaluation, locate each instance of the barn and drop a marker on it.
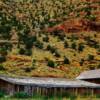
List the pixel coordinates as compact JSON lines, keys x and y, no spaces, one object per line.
{"x":45,"y":86}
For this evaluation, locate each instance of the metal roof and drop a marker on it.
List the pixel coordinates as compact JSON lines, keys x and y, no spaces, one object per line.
{"x":48,"y":82}
{"x":92,"y":74}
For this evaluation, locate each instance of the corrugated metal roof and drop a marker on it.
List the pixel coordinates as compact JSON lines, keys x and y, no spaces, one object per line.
{"x":92,"y":74}
{"x":48,"y":82}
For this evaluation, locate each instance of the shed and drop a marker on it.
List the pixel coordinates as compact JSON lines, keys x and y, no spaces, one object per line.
{"x":45,"y":86}
{"x":91,"y":76}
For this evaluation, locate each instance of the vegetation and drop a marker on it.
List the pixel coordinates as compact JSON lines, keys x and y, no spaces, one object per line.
{"x":21,"y":95}
{"x":51,"y":63}
{"x":66,"y":96}
{"x":2,"y":59}
{"x":2,"y":94}
{"x":42,"y":30}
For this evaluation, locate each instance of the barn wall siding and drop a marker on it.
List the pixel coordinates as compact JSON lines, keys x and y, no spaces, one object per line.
{"x":31,"y":90}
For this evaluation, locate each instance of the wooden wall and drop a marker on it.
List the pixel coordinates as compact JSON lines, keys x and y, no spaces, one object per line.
{"x":6,"y":87}
{"x":11,"y":89}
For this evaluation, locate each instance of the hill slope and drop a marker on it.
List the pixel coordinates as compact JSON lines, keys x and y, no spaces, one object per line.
{"x":55,"y":38}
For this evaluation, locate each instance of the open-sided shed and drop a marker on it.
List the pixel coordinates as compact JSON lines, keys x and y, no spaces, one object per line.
{"x":45,"y":86}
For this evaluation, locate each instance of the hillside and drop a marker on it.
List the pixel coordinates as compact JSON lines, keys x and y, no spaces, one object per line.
{"x":55,"y":38}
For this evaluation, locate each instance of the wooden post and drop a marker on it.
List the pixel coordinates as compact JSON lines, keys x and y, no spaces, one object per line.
{"x":10,"y":89}
{"x":18,"y":88}
{"x":54,"y":91}
{"x":92,"y":91}
{"x":76,"y":91}
{"x":61,"y":91}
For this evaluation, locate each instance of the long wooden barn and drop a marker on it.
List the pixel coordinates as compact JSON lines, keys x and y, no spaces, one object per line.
{"x":46,"y":86}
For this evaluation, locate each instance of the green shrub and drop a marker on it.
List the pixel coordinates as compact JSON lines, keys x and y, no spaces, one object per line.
{"x":86,"y":94}
{"x":2,"y":94}
{"x":3,"y":51}
{"x":53,"y":49}
{"x":98,"y":96}
{"x":61,"y":37}
{"x":73,"y":46}
{"x":2,"y":59}
{"x":81,"y":47}
{"x":46,"y":39}
{"x":73,"y":97}
{"x":21,"y":51}
{"x":74,"y":37}
{"x":2,"y":67}
{"x":51,"y":63}
{"x":90,"y":57}
{"x":91,"y":17}
{"x":66,"y":60}
{"x":81,"y":62}
{"x":28,"y":70}
{"x":66,"y":45}
{"x":33,"y":64}
{"x":48,"y":47}
{"x":21,"y":95}
{"x":28,"y":52}
{"x":39,"y":44}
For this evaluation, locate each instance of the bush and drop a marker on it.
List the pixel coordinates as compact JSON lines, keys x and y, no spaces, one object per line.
{"x":62,"y":37}
{"x":91,"y":17}
{"x":90,"y":57}
{"x":28,"y":69}
{"x":28,"y":52}
{"x":39,"y":45}
{"x":98,"y":96}
{"x":81,"y":62}
{"x":2,"y":94}
{"x":1,"y":67}
{"x":3,"y":51}
{"x":74,"y":37}
{"x":21,"y":51}
{"x":66,"y":60}
{"x":57,"y":54}
{"x":33,"y":64}
{"x":51,"y":63}
{"x":73,"y":46}
{"x":46,"y":39}
{"x":2,"y":59}
{"x":66,"y":45}
{"x":8,"y":46}
{"x":21,"y":95}
{"x":53,"y":49}
{"x":81,"y":47}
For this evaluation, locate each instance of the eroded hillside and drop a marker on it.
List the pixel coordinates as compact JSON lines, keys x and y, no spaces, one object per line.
{"x":55,"y":38}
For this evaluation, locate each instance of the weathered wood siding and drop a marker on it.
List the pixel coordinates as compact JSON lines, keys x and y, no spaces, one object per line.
{"x":31,"y":90}
{"x":6,"y":87}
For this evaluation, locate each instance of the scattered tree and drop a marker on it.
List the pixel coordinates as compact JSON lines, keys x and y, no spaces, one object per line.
{"x":51,"y":63}
{"x":90,"y":57}
{"x":66,"y":60}
{"x":81,"y":47}
{"x":66,"y":45}
{"x":73,"y":46}
{"x":2,"y":59}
